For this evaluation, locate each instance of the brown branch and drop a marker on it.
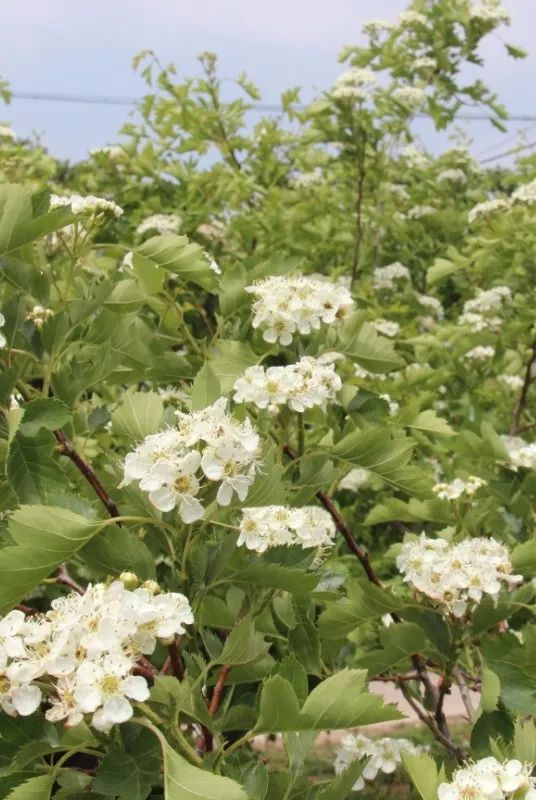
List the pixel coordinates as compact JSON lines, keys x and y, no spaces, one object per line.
{"x":144,"y":667}
{"x":175,"y":661}
{"x":359,"y":210}
{"x":215,"y":700}
{"x":430,"y":723}
{"x":431,"y":693}
{"x":522,"y":401}
{"x":66,"y":448}
{"x":64,"y":578}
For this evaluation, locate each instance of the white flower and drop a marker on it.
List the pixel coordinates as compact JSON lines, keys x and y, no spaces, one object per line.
{"x":113,"y":152}
{"x":210,"y":443}
{"x":454,"y":490}
{"x":421,"y":211}
{"x":308,"y":383}
{"x":386,"y":277}
{"x":354,"y":84}
{"x":306,"y":180}
{"x":480,"y":313}
{"x":521,"y":453}
{"x":513,"y":382}
{"x":39,"y":315}
{"x":3,"y":340}
{"x":410,"y":18}
{"x":365,"y":374}
{"x":289,"y":304}
{"x":7,"y":133}
{"x":487,"y":209}
{"x":214,"y":230}
{"x":424,"y":63}
{"x":160,"y":223}
{"x":393,"y":405}
{"x":480,"y":353}
{"x":489,"y":779}
{"x":489,"y":11}
{"x":354,"y":479}
{"x":271,"y":526}
{"x":412,"y":96}
{"x":387,"y":327}
{"x":456,"y":576}
{"x":414,"y":157}
{"x":383,"y":755}
{"x":105,"y":689}
{"x":452,"y":176}
{"x":431,"y":303}
{"x":525,"y":194}
{"x":88,"y":206}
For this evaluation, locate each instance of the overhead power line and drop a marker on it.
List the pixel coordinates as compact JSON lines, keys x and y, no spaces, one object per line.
{"x":110,"y":100}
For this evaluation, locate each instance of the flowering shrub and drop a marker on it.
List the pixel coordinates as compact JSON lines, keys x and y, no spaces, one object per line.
{"x":267,"y":437}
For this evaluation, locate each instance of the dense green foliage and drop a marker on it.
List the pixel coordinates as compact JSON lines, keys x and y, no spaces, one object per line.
{"x":112,"y":324}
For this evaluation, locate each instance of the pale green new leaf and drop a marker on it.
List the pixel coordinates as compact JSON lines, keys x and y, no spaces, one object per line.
{"x":423,"y":772}
{"x":243,"y":645}
{"x":373,"y":352}
{"x":37,"y":788}
{"x":429,"y":422}
{"x":139,"y":415}
{"x":183,"y":781}
{"x":205,"y":388}
{"x":183,"y":258}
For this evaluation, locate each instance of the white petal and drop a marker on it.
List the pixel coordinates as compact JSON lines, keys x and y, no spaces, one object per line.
{"x":117,"y":709}
{"x":136,"y":687}
{"x":26,"y":699}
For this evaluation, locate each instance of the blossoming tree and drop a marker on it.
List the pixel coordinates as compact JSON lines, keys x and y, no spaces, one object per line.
{"x":265,"y":437}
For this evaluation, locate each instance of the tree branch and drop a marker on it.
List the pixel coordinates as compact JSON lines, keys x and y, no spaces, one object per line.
{"x":515,"y":427}
{"x":66,"y":448}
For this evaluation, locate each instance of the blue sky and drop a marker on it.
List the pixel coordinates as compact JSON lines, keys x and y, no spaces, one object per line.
{"x":72,"y":46}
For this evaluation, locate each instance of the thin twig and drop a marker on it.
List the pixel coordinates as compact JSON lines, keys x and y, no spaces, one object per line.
{"x":64,"y":578}
{"x":464,"y":692}
{"x":175,"y":659}
{"x":430,"y":723}
{"x":522,"y":401}
{"x":66,"y":448}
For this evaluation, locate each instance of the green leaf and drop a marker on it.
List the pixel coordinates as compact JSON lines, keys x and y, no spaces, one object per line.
{"x":21,"y":222}
{"x":341,"y":787}
{"x":364,"y":603}
{"x":126,"y":297}
{"x":182,"y":781}
{"x":373,"y":352}
{"x":441,"y":268}
{"x":183,"y":258}
{"x":423,"y":772}
{"x":387,"y":457}
{"x":523,"y":559}
{"x":44,"y":537}
{"x":490,"y":691}
{"x":148,"y":274}
{"x":525,"y":741}
{"x":243,"y":645}
{"x":38,"y":788}
{"x":44,"y":412}
{"x":205,"y":388}
{"x":139,"y":415}
{"x":276,"y":576}
{"x":126,"y":776}
{"x":228,"y":360}
{"x":429,"y":422}
{"x":31,"y":470}
{"x":279,"y":708}
{"x":116,"y":550}
{"x":399,"y":642}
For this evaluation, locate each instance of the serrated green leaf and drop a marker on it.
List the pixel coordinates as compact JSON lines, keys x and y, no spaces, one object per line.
{"x":44,"y":412}
{"x":244,"y":645}
{"x":373,"y":352}
{"x":205,"y":388}
{"x":139,"y":415}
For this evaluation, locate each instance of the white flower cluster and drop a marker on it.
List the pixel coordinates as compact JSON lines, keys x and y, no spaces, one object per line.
{"x":386,"y":327}
{"x":3,"y":340}
{"x":161,"y":223}
{"x":452,"y":176}
{"x":421,"y":211}
{"x":86,"y":205}
{"x":305,"y":180}
{"x":488,"y":779}
{"x":209,"y":444}
{"x":365,"y":374}
{"x":354,"y":480}
{"x":287,"y":304}
{"x":480,"y":313}
{"x":432,"y":303}
{"x":383,"y":755}
{"x":412,"y":96}
{"x":483,"y":352}
{"x":487,"y":209}
{"x":113,"y":152}
{"x":454,"y":490}
{"x":414,"y":157}
{"x":456,"y":575}
{"x":374,"y":27}
{"x":411,"y":18}
{"x":6,"y":132}
{"x":520,"y":452}
{"x":424,"y":63}
{"x":39,"y":315}
{"x":393,"y":405}
{"x":513,"y":382}
{"x":303,"y":385}
{"x":273,"y":526}
{"x":525,"y":194}
{"x":86,"y":648}
{"x":214,"y":230}
{"x":489,"y":11}
{"x":354,"y":84}
{"x":386,"y":277}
